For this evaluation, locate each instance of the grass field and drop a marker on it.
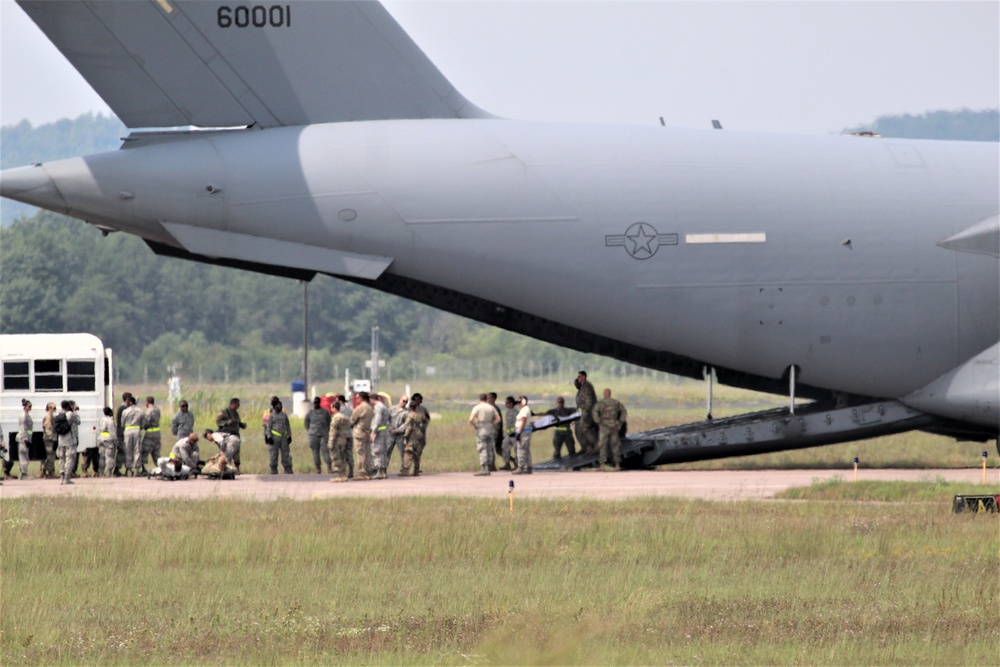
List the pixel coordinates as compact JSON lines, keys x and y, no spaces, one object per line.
{"x":451,"y":581}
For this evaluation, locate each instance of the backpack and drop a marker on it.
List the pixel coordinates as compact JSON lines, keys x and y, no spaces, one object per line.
{"x":60,"y":424}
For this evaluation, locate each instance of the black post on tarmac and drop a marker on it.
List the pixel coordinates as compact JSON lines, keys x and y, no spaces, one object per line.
{"x":305,"y":337}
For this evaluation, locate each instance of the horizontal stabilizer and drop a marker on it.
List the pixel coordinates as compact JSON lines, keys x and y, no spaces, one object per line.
{"x":983,"y":238}
{"x":258,"y":250}
{"x":171,"y":63}
{"x":967,"y":393}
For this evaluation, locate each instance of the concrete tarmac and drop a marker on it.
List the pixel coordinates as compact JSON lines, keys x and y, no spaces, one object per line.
{"x":710,"y":485}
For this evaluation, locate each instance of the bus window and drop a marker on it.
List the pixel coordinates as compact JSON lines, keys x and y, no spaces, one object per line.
{"x":80,"y":376}
{"x":48,"y":375}
{"x":15,"y":375}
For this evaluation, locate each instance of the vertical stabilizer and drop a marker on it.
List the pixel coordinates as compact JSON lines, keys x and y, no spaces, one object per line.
{"x":167,"y":63}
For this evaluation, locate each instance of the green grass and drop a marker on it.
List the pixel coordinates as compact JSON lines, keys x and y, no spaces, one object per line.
{"x":937,"y":490}
{"x":453,"y":581}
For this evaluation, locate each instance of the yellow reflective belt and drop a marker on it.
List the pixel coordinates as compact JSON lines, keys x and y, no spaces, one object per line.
{"x":105,"y":434}
{"x":155,"y":429}
{"x":129,"y":428}
{"x":277,"y":433}
{"x":381,"y":428}
{"x":511,"y":431}
{"x":562,"y":428}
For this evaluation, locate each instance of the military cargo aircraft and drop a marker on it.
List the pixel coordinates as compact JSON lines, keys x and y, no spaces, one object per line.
{"x":297,"y":138}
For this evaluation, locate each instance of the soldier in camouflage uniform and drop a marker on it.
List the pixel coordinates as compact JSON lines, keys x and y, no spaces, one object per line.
{"x":182,"y":423}
{"x":68,"y":442}
{"x":132,"y":427}
{"x":120,"y":459}
{"x":419,"y":400}
{"x":185,"y":450}
{"x":51,"y":442}
{"x":562,"y":434}
{"x":361,"y":432}
{"x":414,"y":437}
{"x":397,"y":421}
{"x":151,"y":442}
{"x":347,"y":411}
{"x":107,"y":440}
{"x":340,"y":427}
{"x":229,"y":422}
{"x":279,"y":433}
{"x":380,"y":437}
{"x":317,"y":425}
{"x":524,"y":421}
{"x":484,"y":419}
{"x":509,"y":446}
{"x":227,"y":443}
{"x":586,"y":428}
{"x":610,"y":415}
{"x":497,"y":447}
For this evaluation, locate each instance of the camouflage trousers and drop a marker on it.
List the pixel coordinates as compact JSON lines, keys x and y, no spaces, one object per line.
{"x":586,"y":433}
{"x":362,"y":453}
{"x":484,"y":444}
{"x":338,"y":453}
{"x":231,"y":449}
{"x":609,"y":439}
{"x":67,"y":460}
{"x":380,"y":445}
{"x":109,"y":450}
{"x":349,"y":456}
{"x":524,"y":450}
{"x":23,"y":457}
{"x":509,"y":449}
{"x":395,"y":442}
{"x":133,"y":449}
{"x":49,"y":464}
{"x":319,"y":449}
{"x":560,"y":438}
{"x":151,"y":445}
{"x":411,"y":457}
{"x":283,"y":447}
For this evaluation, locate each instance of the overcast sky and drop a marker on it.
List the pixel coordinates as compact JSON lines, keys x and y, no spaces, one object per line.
{"x":803,"y":67}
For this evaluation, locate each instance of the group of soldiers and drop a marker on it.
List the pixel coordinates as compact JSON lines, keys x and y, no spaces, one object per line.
{"x":354,"y":442}
{"x":507,"y":434}
{"x":357,"y":442}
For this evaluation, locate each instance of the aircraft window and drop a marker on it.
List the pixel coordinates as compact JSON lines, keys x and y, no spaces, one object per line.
{"x":80,"y":376}
{"x":15,"y":375}
{"x":48,"y":375}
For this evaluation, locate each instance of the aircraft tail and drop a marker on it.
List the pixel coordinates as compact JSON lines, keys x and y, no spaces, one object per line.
{"x":169,"y":63}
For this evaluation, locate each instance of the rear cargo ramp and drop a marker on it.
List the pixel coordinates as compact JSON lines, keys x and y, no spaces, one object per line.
{"x":775,"y":430}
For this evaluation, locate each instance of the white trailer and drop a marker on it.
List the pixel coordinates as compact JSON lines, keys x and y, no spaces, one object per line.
{"x":54,"y":367}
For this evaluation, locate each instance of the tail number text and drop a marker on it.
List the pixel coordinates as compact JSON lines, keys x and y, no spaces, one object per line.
{"x":255,"y":16}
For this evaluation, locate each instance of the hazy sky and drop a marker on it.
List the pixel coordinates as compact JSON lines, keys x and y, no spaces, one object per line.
{"x":804,"y":67}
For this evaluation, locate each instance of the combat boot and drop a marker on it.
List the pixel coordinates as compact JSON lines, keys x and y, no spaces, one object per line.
{"x":319,"y":471}
{"x":517,"y":471}
{"x":483,"y":472}
{"x":381,"y":474}
{"x":339,"y":479}
{"x":329,"y":469}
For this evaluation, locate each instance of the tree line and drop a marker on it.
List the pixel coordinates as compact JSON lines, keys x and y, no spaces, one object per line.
{"x":62,"y":275}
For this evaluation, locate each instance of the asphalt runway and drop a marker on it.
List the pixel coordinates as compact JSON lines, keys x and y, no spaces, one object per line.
{"x":710,"y":485}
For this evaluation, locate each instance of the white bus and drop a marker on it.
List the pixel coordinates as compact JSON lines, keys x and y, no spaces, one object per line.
{"x":54,"y":367}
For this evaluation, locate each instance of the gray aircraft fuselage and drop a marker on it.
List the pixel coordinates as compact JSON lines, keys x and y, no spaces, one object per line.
{"x":751,"y":252}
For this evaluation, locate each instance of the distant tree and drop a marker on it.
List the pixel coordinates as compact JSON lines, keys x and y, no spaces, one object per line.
{"x":964,"y":125}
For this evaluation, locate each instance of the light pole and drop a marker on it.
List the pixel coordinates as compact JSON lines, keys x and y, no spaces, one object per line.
{"x":305,"y":337}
